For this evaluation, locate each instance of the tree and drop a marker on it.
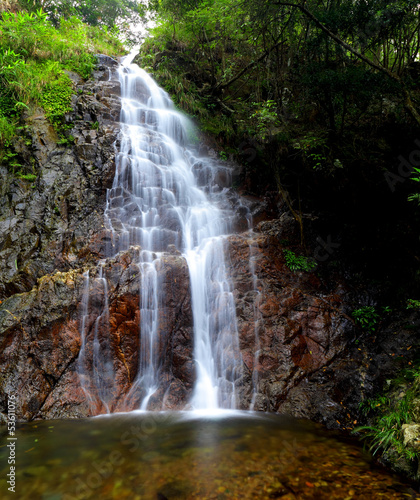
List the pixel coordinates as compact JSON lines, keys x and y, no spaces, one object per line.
{"x":377,"y":65}
{"x":93,"y":12}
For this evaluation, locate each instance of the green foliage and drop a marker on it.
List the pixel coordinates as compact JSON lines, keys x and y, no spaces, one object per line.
{"x":11,"y":67}
{"x":367,"y":318}
{"x":413,"y":304}
{"x":275,"y":75}
{"x":7,"y":102}
{"x":26,"y":177}
{"x":7,"y":131}
{"x":65,"y":141}
{"x":298,"y":262}
{"x":28,"y":41}
{"x":34,"y":55}
{"x":414,"y":197}
{"x":82,"y":64}
{"x":314,"y":150}
{"x":92,"y":12}
{"x":27,"y":33}
{"x":181,"y":91}
{"x":56,"y":98}
{"x":265,"y":117}
{"x":388,"y":412}
{"x":415,"y":177}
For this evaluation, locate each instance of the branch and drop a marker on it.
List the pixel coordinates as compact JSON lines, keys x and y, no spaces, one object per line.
{"x":222,"y":86}
{"x":408,"y":102}
{"x":223,"y":105}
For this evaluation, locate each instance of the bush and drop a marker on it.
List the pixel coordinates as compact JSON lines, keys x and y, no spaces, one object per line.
{"x":298,"y":262}
{"x":366,"y":317}
{"x":34,"y":55}
{"x":413,"y":304}
{"x":388,"y":413}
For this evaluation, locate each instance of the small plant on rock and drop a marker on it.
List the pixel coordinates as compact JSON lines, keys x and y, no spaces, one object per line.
{"x":413,"y":304}
{"x":393,"y":417}
{"x":298,"y":262}
{"x":367,"y":318}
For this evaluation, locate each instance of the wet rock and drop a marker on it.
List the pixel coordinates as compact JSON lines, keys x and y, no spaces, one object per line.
{"x":41,"y":338}
{"x":299,"y":327}
{"x":107,"y":61}
{"x":55,"y":222}
{"x":411,"y":434}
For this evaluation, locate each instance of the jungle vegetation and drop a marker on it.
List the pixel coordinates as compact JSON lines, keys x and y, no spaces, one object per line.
{"x":319,"y":100}
{"x":37,"y":50}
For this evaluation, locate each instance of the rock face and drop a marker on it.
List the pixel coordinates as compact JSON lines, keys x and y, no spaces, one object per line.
{"x":54,"y":223}
{"x":295,"y":334}
{"x":299,"y":330}
{"x":41,"y":340}
{"x":297,"y":326}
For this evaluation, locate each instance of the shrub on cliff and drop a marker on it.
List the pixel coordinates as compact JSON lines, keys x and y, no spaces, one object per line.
{"x":394,"y":417}
{"x":34,"y":55}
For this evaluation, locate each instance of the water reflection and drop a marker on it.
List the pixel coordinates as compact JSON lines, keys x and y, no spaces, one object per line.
{"x":227,"y":455}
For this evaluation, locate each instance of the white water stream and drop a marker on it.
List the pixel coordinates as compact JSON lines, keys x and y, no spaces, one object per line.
{"x":156,"y":203}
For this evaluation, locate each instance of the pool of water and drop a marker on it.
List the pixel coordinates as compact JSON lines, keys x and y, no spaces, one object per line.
{"x":229,"y":455}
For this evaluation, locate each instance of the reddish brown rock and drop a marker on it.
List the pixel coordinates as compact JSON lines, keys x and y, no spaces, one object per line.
{"x":294,"y":335}
{"x":300,"y":326}
{"x":41,"y":339}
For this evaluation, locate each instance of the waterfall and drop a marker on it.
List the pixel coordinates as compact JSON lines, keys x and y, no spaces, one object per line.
{"x":257,"y":321}
{"x":164,"y":196}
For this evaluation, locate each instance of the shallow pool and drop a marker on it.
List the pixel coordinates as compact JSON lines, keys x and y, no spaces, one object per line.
{"x":238,"y":455}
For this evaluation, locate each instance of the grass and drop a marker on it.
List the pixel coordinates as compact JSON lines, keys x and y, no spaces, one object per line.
{"x":388,"y":412}
{"x":34,"y":56}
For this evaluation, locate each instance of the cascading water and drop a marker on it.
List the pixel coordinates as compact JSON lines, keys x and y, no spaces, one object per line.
{"x":156,"y":203}
{"x":257,"y":320}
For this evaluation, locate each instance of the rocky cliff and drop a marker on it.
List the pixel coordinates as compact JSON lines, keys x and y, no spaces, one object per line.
{"x":55,"y":222}
{"x":296,"y":335}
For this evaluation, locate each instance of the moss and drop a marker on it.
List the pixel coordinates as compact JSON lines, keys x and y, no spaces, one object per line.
{"x":27,"y":177}
{"x":56,"y":99}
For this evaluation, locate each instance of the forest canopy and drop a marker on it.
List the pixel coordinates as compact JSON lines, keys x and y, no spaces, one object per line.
{"x":93,"y":12}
